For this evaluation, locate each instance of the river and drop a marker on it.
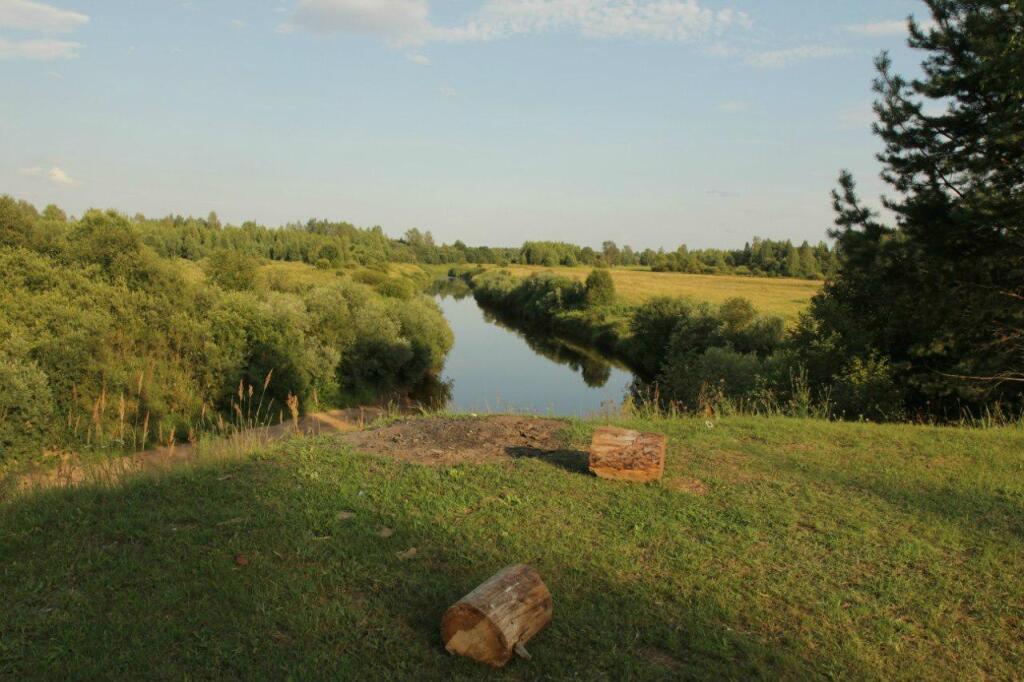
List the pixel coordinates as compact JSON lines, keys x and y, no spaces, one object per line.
{"x":494,"y":367}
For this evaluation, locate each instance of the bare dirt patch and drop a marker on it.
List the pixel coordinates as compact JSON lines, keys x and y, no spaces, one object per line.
{"x":660,"y":658}
{"x":447,"y":441}
{"x":683,"y":484}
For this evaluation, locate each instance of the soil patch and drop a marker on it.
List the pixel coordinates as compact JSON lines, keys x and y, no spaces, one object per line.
{"x":683,"y":484}
{"x":446,"y":441}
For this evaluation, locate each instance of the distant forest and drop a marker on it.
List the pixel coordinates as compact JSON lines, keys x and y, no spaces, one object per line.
{"x":329,"y":244}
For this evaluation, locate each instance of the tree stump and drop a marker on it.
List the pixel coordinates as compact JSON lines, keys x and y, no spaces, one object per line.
{"x":495,"y":620}
{"x":623,"y":455}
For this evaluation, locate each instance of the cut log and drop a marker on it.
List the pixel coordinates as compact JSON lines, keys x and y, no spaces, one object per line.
{"x":499,"y":617}
{"x":623,"y":455}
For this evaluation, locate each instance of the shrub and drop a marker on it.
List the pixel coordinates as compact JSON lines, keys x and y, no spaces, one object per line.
{"x":371,"y":277}
{"x":26,"y":409}
{"x":600,"y":288}
{"x":867,"y":389}
{"x":651,"y":328}
{"x":401,"y":289}
{"x":717,"y":371}
{"x":231,"y":270}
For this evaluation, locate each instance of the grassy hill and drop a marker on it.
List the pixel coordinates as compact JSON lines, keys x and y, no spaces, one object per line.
{"x":770,"y":295}
{"x":774,"y":548}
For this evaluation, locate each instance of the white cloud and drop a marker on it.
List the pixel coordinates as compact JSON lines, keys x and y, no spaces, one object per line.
{"x":26,"y":15}
{"x":777,"y":59}
{"x":879,"y":28}
{"x":407,"y":22}
{"x":420,"y":59}
{"x":882,"y":29}
{"x":41,"y":49}
{"x":237,"y":24}
{"x":56,"y":175}
{"x":396,"y":21}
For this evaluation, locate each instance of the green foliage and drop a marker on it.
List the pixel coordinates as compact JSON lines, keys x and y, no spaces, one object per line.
{"x":26,"y":408}
{"x":371,"y":277}
{"x":600,"y":289}
{"x":760,"y":258}
{"x":652,"y":326}
{"x":108,"y":346}
{"x":534,"y":299}
{"x":231,"y":270}
{"x":867,"y":389}
{"x":937,"y":300}
{"x":402,"y":289}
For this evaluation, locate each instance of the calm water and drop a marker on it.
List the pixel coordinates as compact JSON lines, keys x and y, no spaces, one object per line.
{"x":494,"y":368}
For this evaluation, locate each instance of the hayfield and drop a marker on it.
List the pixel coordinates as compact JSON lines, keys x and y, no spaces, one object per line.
{"x":775,"y":296}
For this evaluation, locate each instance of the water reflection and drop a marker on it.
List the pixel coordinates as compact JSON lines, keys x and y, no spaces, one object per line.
{"x":497,"y":366}
{"x":595,"y":370}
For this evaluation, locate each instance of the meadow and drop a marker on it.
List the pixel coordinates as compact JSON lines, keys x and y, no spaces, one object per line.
{"x":776,"y":296}
{"x":774,"y":548}
{"x":770,"y":295}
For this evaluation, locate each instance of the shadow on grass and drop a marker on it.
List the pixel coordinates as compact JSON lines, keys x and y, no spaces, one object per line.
{"x":971,"y":507}
{"x":575,"y":461}
{"x":262,"y":570}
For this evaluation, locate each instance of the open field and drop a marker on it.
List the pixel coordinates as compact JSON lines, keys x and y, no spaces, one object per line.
{"x":775,"y":296}
{"x":774,"y":548}
{"x":294,"y":273}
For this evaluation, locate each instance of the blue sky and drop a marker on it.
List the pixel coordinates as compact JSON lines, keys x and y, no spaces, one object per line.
{"x":650,"y":122}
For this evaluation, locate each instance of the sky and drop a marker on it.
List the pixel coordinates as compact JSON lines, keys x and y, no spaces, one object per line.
{"x":649,"y":122}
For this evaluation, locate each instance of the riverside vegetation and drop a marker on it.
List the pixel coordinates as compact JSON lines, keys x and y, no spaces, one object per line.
{"x":105,"y":345}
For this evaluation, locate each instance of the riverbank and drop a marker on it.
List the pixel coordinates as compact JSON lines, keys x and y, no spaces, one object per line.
{"x":687,"y":357}
{"x":776,"y":548}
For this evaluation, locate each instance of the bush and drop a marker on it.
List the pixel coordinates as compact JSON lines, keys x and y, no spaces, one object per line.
{"x":26,"y":409}
{"x":401,"y":289}
{"x":231,"y":270}
{"x":867,"y":389}
{"x":600,"y":288}
{"x":721,"y":372}
{"x":371,"y":277}
{"x":651,"y":328}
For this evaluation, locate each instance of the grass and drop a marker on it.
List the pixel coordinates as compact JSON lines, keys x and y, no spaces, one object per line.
{"x":818,"y":550}
{"x":775,"y":296}
{"x":295,"y":273}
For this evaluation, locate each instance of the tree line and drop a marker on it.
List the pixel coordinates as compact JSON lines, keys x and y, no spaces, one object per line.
{"x":759,"y":257}
{"x":329,"y":244}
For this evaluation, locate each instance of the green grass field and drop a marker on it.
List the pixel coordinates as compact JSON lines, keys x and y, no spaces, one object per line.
{"x":774,"y":548}
{"x":775,"y":296}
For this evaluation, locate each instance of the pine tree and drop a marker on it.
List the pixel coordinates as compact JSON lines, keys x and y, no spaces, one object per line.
{"x":941,"y":293}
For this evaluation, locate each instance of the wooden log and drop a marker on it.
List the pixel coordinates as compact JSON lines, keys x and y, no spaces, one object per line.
{"x":499,"y":617}
{"x":623,"y":455}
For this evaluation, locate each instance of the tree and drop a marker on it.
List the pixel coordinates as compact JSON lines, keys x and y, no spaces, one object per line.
{"x":792,"y":263}
{"x":808,"y":261}
{"x":611,"y":253}
{"x":939,"y":296}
